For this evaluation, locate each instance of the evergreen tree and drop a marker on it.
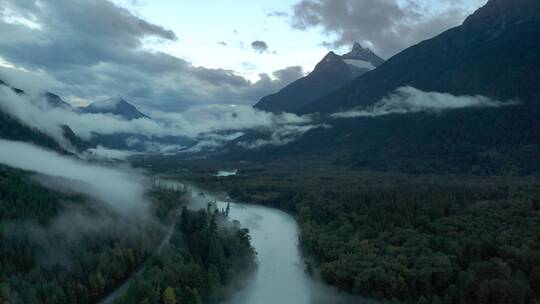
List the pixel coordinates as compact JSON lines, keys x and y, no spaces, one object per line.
{"x":169,"y":296}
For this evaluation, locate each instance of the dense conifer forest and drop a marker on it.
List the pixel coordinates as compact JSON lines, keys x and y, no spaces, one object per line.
{"x":61,"y":247}
{"x":202,"y":263}
{"x":409,"y":239}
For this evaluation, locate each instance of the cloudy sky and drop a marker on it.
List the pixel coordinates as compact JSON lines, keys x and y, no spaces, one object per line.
{"x":174,"y":54}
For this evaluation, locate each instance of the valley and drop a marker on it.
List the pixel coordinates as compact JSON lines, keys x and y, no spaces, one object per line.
{"x":292,"y":152}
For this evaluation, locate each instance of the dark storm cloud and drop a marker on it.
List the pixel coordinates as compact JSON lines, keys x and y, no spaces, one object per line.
{"x":384,"y":25}
{"x":82,"y":32}
{"x":259,"y":46}
{"x":289,"y":74}
{"x":96,"y":49}
{"x":220,"y":77}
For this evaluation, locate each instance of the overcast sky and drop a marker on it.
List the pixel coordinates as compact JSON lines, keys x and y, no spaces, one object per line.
{"x":173,"y":54}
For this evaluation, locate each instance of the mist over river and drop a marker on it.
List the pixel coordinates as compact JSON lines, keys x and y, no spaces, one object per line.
{"x":281,"y":276}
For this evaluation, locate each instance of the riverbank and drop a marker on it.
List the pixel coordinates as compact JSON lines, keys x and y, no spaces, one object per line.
{"x":281,"y":275}
{"x":412,"y":238}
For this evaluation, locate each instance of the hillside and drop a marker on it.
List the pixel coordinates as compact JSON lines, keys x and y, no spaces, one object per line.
{"x":495,"y":53}
{"x":331,"y":73}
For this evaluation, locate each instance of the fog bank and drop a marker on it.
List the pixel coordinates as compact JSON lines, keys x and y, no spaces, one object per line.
{"x":211,"y":126}
{"x":121,"y":189}
{"x":411,"y":100}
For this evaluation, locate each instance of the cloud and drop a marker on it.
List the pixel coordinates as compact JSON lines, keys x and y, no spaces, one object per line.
{"x":289,"y":74}
{"x":103,"y":152}
{"x":410,"y":100}
{"x":221,"y":123}
{"x":121,"y":189}
{"x":281,"y":14}
{"x":211,"y":125}
{"x":259,"y":46}
{"x":33,"y":111}
{"x":95,"y":49}
{"x":386,"y":26}
{"x":281,"y":136}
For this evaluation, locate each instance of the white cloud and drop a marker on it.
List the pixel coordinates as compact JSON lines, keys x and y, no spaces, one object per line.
{"x":104,"y":51}
{"x":211,"y":125}
{"x":121,"y":189}
{"x":102,"y":152}
{"x":410,"y":100}
{"x":281,"y":137}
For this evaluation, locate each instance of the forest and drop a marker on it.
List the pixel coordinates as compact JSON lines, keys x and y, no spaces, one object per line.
{"x":204,"y":262}
{"x":60,"y":247}
{"x":409,"y":238}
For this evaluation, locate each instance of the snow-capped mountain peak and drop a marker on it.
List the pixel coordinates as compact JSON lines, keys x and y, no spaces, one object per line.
{"x":359,"y":53}
{"x":116,"y":106}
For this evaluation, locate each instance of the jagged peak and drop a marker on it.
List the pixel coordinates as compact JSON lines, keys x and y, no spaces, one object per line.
{"x":331,"y":59}
{"x":357,"y":47}
{"x":364,"y":54}
{"x":331,"y":55}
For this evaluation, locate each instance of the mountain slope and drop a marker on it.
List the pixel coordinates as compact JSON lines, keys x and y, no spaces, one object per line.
{"x":115,"y":106}
{"x":333,"y":72}
{"x":56,"y":101}
{"x":484,"y":141}
{"x":496,"y":53}
{"x":13,"y":129}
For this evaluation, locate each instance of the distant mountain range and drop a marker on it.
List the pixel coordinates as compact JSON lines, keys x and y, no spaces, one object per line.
{"x":331,"y":73}
{"x":11,"y":128}
{"x":494,"y":53}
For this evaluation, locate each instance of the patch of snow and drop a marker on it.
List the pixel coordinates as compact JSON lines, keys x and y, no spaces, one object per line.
{"x":360,"y":64}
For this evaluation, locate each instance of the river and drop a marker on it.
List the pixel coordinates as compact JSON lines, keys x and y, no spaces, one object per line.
{"x":281,"y":276}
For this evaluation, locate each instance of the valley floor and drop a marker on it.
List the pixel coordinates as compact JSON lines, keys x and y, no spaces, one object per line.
{"x":405,"y":238}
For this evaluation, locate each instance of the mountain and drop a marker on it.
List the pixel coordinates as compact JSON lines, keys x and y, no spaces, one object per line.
{"x":480,"y":141}
{"x":51,"y":98}
{"x":13,"y":129}
{"x":56,"y":101}
{"x":115,"y":106}
{"x":16,"y":90}
{"x":495,"y":52}
{"x":333,"y":72}
{"x":360,"y":55}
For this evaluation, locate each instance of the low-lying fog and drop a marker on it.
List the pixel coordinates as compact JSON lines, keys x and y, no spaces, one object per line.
{"x":122,"y":189}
